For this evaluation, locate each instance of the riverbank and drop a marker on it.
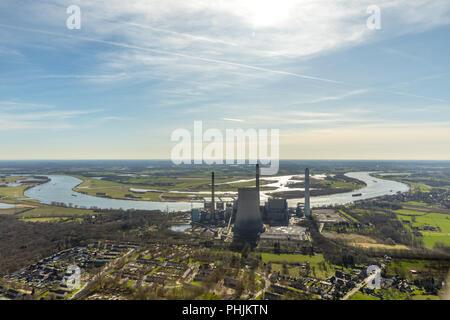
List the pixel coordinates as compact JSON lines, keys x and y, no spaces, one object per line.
{"x":60,"y":190}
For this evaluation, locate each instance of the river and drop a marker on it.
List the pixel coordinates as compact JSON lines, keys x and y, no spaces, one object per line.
{"x":59,"y":189}
{"x":374,"y":188}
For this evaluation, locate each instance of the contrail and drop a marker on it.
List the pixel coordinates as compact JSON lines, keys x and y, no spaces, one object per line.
{"x":413,"y":95}
{"x":129,"y":46}
{"x":209,"y":60}
{"x":187,"y":35}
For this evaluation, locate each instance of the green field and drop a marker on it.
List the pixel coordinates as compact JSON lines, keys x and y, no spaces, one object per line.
{"x":320,"y":268}
{"x":403,"y":267}
{"x":291,"y":258}
{"x":53,"y":219}
{"x":118,"y":190}
{"x":346,"y":215}
{"x":409,"y":212}
{"x":12,"y":193}
{"x":415,"y":203}
{"x":420,"y":219}
{"x":362,"y":296}
{"x":425,"y":297}
{"x":44,"y":211}
{"x":419,"y":187}
{"x":430,"y":238}
{"x":440,"y":220}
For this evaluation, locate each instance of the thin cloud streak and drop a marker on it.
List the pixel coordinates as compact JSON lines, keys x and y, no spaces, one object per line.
{"x":163,"y":52}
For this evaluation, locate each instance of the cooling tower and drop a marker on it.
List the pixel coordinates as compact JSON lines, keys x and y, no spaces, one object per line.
{"x":307,"y":203}
{"x":248,"y":217}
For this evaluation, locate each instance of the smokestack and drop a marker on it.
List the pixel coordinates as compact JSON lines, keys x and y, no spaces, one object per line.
{"x":307,"y":204}
{"x":212,"y":196}
{"x":257,"y":180}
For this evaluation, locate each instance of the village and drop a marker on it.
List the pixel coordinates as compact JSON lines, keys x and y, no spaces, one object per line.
{"x":116,"y":271}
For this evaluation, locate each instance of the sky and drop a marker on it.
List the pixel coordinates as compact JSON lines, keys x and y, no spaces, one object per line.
{"x":139,"y":69}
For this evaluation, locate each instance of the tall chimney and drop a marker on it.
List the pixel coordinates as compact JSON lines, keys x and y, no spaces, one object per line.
{"x":212,"y":196}
{"x":307,"y":204}
{"x":257,"y":180}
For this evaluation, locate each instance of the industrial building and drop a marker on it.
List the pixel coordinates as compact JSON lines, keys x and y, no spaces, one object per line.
{"x":276,"y":212}
{"x":245,"y":216}
{"x":291,"y":233}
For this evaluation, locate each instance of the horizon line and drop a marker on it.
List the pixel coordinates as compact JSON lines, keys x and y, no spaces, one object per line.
{"x":164,"y":159}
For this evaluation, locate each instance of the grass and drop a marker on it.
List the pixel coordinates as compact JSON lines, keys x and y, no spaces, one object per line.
{"x":394,"y":294}
{"x":422,"y":187}
{"x":12,"y":193}
{"x":48,"y":220}
{"x":430,"y":238}
{"x":362,"y":296}
{"x":420,"y":219}
{"x":291,"y":258}
{"x":209,"y":296}
{"x":293,"y":271}
{"x":44,"y":211}
{"x":153,"y":271}
{"x":114,"y":190}
{"x":319,"y":267}
{"x":362,"y":241}
{"x":409,"y":212}
{"x":415,"y":203}
{"x":425,"y":297}
{"x":402,"y":268}
{"x":346,"y":215}
{"x":119,"y":188}
{"x":42,"y":296}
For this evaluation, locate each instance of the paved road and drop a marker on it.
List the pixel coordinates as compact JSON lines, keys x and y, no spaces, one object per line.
{"x":266,"y":287}
{"x":359,"y":286}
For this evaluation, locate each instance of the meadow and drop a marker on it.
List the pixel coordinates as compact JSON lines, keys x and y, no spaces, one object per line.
{"x":420,"y":219}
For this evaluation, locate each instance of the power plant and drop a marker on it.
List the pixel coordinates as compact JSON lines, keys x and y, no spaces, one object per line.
{"x":276,"y":212}
{"x":245,"y":218}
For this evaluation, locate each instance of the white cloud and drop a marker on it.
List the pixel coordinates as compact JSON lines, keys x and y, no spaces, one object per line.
{"x":248,"y":34}
{"x":41,"y":120}
{"x":233,"y":120}
{"x":335,"y":98}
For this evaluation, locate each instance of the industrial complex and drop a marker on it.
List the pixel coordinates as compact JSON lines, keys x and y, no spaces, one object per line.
{"x":246,"y":219}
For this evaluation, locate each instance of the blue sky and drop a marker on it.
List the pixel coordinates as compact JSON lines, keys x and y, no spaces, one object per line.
{"x":137,"y":70}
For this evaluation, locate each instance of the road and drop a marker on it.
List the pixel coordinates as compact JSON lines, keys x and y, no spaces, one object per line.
{"x":359,"y":286}
{"x":266,"y":286}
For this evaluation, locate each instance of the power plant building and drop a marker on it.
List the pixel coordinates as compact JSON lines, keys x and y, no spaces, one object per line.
{"x":276,"y":212}
{"x":195,"y":215}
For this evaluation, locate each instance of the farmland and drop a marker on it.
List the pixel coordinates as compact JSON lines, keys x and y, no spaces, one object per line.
{"x":434,"y":226}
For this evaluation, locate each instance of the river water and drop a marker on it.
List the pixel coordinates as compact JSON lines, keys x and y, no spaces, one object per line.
{"x":374,"y":188}
{"x":59,"y":189}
